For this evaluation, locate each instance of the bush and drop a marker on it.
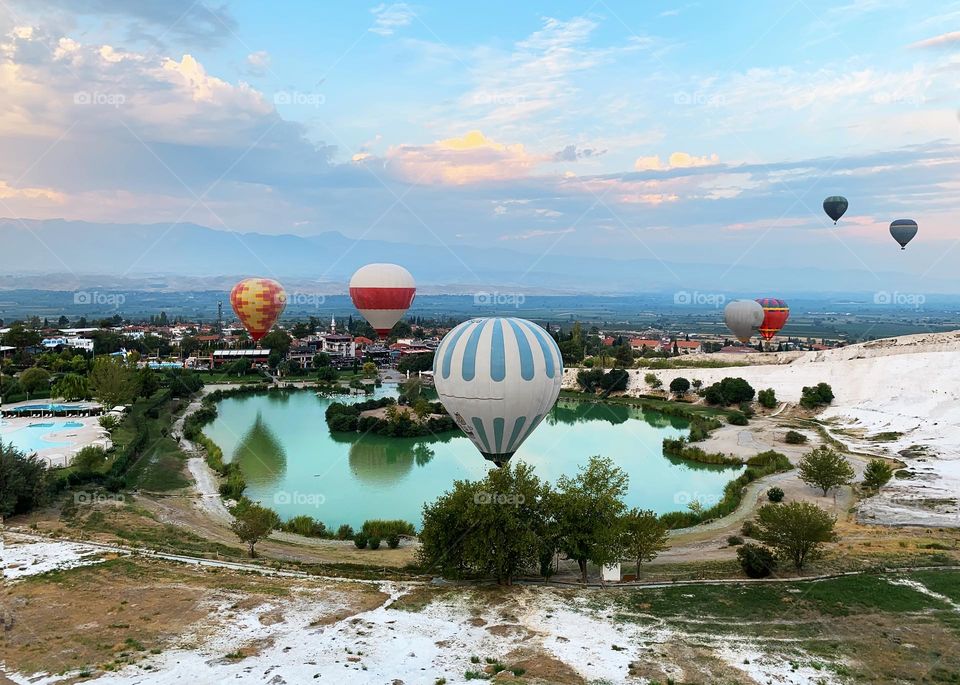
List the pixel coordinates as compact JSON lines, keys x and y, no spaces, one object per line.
{"x":748,"y":529}
{"x":729,"y":391}
{"x":374,"y":543}
{"x":775,"y":494}
{"x":305,"y":525}
{"x":747,"y":409}
{"x":756,"y":561}
{"x":381,"y":528}
{"x":737,"y":418}
{"x":818,"y":395}
{"x":877,"y":474}
{"x":734,"y":540}
{"x":679,"y":386}
{"x":345,"y":532}
{"x":393,"y":541}
{"x":794,"y":438}
{"x":360,"y":540}
{"x":767,"y":398}
{"x":108,"y":421}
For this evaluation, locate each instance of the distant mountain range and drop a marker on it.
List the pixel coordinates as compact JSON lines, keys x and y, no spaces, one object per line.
{"x":60,"y":254}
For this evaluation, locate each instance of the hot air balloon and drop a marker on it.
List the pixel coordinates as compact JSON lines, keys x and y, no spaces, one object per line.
{"x":382,"y":293}
{"x":498,"y":377}
{"x":835,"y":206}
{"x":775,"y":315}
{"x":743,"y":318}
{"x":903,"y":231}
{"x":258,"y":303}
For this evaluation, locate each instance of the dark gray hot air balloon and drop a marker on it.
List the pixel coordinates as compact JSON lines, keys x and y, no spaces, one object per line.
{"x":743,"y":318}
{"x":903,"y":231}
{"x":835,"y":206}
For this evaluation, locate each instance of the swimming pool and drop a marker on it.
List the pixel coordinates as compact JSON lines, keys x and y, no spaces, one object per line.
{"x":33,"y":438}
{"x":49,"y":407}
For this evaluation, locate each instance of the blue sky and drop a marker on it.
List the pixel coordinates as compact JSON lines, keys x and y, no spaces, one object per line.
{"x":675,"y":130}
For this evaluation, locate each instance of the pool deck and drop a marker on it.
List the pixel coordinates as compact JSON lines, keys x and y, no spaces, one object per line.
{"x":89,"y":433}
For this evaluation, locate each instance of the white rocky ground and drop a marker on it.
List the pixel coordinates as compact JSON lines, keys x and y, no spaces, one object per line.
{"x":908,"y":385}
{"x":21,"y":557}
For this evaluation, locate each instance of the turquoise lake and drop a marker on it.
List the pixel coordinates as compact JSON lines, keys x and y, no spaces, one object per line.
{"x":293,"y":464}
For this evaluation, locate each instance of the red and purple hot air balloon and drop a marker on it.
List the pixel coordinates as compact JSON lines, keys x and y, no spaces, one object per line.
{"x":775,"y":315}
{"x":382,"y":293}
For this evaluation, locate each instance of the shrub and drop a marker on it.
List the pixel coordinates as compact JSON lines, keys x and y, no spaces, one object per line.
{"x":734,"y":540}
{"x":767,"y":398}
{"x":775,"y":494}
{"x":305,"y":525}
{"x":381,"y":528}
{"x":877,"y":474}
{"x":345,"y":532}
{"x":756,"y":561}
{"x":748,"y":529}
{"x":393,"y":541}
{"x":747,"y":409}
{"x":108,"y":421}
{"x":794,"y":438}
{"x":729,"y":391}
{"x":817,"y":395}
{"x":360,"y":540}
{"x":737,"y":418}
{"x":374,"y":542}
{"x":679,"y":386}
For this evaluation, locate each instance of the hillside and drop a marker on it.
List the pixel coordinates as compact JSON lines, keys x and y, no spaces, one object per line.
{"x":895,"y":397}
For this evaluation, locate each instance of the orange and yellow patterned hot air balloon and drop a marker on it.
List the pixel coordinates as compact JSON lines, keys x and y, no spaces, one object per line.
{"x":258,"y":302}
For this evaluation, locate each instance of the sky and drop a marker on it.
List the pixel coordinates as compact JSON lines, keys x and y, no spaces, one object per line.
{"x":679,"y":131}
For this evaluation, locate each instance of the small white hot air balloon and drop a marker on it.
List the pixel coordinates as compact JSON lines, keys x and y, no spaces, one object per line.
{"x":743,"y":318}
{"x":382,"y":293}
{"x":498,"y":377}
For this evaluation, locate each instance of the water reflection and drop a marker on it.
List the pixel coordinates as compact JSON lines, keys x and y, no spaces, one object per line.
{"x":260,"y":453}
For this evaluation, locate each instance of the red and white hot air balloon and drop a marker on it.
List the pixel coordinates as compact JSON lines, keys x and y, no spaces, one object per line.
{"x":382,"y":293}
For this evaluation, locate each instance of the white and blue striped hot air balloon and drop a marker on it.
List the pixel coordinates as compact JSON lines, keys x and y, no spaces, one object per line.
{"x":498,"y":377}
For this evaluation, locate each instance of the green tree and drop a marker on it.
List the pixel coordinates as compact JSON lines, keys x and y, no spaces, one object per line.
{"x":679,"y":386}
{"x":34,"y":379}
{"x":588,"y":510}
{"x":644,"y":535}
{"x":321,"y":359}
{"x":25,"y":481}
{"x":277,"y":340}
{"x":71,"y":387}
{"x":422,"y":361}
{"x":328,"y":374}
{"x":824,"y":468}
{"x":89,"y":460}
{"x":239,"y":367}
{"x":767,"y":398}
{"x":623,"y":357}
{"x":877,"y":474}
{"x":252,"y":523}
{"x":20,"y":337}
{"x":797,"y":531}
{"x":446,"y":527}
{"x":369,"y":370}
{"x":818,"y":395}
{"x":112,"y":382}
{"x":422,"y":409}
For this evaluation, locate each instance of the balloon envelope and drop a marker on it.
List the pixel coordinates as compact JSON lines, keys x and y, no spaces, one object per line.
{"x":835,"y":206}
{"x":743,"y":318}
{"x":775,"y":315}
{"x":903,"y":231}
{"x":258,"y":303}
{"x":382,"y":293}
{"x":498,"y":377}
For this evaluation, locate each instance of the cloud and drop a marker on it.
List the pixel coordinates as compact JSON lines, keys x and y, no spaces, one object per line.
{"x":151,"y":22}
{"x":943,"y":40}
{"x":677,"y":160}
{"x":469,"y":159}
{"x":258,"y":62}
{"x":7,"y":192}
{"x":389,"y":18}
{"x":571,"y":153}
